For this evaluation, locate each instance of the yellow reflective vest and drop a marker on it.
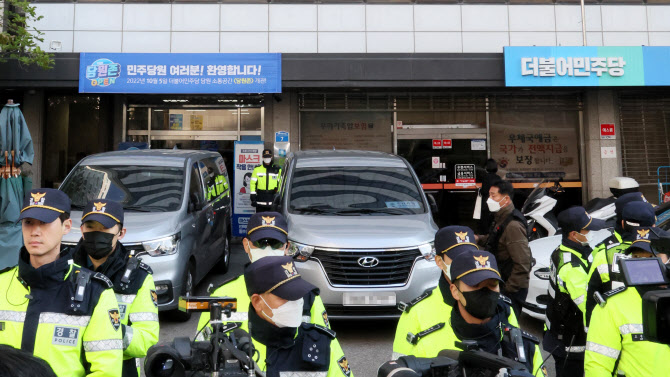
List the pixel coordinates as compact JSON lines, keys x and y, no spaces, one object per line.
{"x":265,"y":183}
{"x":63,"y":314}
{"x":615,"y":343}
{"x":433,"y":311}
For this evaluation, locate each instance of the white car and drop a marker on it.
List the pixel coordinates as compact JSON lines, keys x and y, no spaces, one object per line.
{"x":539,"y":277}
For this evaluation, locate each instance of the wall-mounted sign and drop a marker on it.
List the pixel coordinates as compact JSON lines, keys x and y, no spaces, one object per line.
{"x":179,"y":73}
{"x":446,"y":144}
{"x":586,"y":66}
{"x":437,"y":143}
{"x":465,"y":174}
{"x":607,"y":131}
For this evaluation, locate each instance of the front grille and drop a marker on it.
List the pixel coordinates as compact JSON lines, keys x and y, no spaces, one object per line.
{"x":342,"y":267}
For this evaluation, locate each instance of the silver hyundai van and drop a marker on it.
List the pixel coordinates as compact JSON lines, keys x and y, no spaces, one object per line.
{"x":361,"y":229}
{"x":177,"y":212}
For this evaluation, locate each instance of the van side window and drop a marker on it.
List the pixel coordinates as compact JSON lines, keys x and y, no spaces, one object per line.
{"x":216,"y":180}
{"x":196,"y":191}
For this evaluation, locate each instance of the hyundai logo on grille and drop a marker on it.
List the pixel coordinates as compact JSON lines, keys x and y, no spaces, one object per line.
{"x":368,"y":262}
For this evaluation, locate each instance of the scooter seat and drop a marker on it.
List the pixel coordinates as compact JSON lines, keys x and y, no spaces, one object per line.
{"x":598,"y":203}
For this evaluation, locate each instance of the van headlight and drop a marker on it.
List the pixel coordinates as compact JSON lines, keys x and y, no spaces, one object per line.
{"x":162,"y":246}
{"x":299,"y":251}
{"x":428,"y":251}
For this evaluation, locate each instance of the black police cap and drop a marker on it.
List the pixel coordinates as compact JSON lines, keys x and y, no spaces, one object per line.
{"x":276,"y":275}
{"x":454,"y":240}
{"x":45,"y":205}
{"x":106,"y":212}
{"x":267,"y":225}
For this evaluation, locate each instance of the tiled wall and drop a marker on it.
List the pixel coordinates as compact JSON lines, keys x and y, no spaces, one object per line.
{"x":344,"y":28}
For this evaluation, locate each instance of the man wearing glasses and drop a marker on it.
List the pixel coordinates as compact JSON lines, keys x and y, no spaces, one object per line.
{"x":267,"y":234}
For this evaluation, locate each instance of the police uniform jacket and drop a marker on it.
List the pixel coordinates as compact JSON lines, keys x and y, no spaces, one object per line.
{"x":615,"y":341}
{"x":426,"y":327}
{"x":64,"y":314}
{"x":310,"y":350}
{"x":265,"y":182}
{"x":138,"y":303}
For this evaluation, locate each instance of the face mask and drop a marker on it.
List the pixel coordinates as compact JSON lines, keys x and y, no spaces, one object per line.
{"x":481,"y":303}
{"x":588,"y":238}
{"x":287,"y":315}
{"x":267,"y":251}
{"x":446,"y":269}
{"x":267,"y":161}
{"x":97,"y":244}
{"x":493,"y":205}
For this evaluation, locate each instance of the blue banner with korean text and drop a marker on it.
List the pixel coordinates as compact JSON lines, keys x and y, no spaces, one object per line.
{"x":179,"y":73}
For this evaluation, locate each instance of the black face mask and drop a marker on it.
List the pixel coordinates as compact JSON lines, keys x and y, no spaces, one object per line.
{"x":98,"y":244}
{"x":481,"y":303}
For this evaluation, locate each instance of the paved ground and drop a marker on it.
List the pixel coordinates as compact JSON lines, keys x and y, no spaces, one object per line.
{"x":367,"y":344}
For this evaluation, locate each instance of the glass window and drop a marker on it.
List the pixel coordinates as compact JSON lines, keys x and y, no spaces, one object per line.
{"x":357,"y":190}
{"x":137,"y":187}
{"x":531,"y":145}
{"x":196,"y":192}
{"x":363,"y":130}
{"x":442,"y":117}
{"x":250,"y":119}
{"x":137,"y":118}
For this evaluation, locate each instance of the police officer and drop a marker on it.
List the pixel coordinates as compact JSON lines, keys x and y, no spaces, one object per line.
{"x":285,"y":343}
{"x":565,"y":336}
{"x":603,"y":273}
{"x":420,"y":316}
{"x":508,"y":241}
{"x":53,"y":308}
{"x":100,"y":249}
{"x":615,"y":342}
{"x":265,"y":183}
{"x":480,"y":314}
{"x":266,"y":236}
{"x":216,"y":185}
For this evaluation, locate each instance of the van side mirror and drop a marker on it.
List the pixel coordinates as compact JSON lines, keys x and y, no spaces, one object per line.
{"x":194,"y":204}
{"x":276,"y":203}
{"x":433,"y":204}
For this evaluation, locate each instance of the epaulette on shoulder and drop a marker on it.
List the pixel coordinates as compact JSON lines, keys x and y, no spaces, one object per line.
{"x":104,"y":279}
{"x":506,"y":299}
{"x":213,"y":287}
{"x":325,"y":330}
{"x":146,"y":268}
{"x":2,"y":271}
{"x":529,"y":336}
{"x":613,"y":292}
{"x":405,"y":308}
{"x":612,"y":245}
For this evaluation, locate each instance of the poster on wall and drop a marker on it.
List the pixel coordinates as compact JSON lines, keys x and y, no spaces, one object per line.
{"x":369,"y":131}
{"x":247,"y":157}
{"x":196,"y":122}
{"x":527,"y":153}
{"x":176,"y":122}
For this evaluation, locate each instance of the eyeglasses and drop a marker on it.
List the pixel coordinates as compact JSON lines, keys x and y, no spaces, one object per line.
{"x":262,"y":243}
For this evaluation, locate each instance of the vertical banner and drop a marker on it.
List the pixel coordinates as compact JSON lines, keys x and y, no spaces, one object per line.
{"x":247,"y":157}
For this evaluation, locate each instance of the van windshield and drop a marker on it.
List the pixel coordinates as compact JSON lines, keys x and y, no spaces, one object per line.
{"x":138,"y":188}
{"x":354,"y":190}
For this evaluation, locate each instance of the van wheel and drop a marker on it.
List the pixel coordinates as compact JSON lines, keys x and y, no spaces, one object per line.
{"x":224,"y":263}
{"x":187,"y":290}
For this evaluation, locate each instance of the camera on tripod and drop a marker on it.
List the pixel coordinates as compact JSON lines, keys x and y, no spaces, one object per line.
{"x":229,"y":351}
{"x":651,"y":272}
{"x":471,"y":362}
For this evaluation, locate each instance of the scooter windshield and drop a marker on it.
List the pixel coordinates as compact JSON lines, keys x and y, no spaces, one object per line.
{"x":539,"y":191}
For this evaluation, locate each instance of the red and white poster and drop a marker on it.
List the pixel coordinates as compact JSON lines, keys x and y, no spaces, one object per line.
{"x":607,"y":131}
{"x":437,"y":144}
{"x":446,"y":143}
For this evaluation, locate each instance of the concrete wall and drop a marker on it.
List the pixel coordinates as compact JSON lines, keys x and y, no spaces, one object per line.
{"x":600,"y":107}
{"x":344,"y":28}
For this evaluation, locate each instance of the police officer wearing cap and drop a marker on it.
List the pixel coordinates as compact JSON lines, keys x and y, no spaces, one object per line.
{"x":287,"y":344}
{"x":632,"y":211}
{"x":266,"y":236}
{"x":565,"y":336}
{"x":421,"y":328}
{"x":265,"y":183}
{"x":615,"y":344}
{"x":481,"y":315}
{"x":53,"y":308}
{"x":100,"y":250}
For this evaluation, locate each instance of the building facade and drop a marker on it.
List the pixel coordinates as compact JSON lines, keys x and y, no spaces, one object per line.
{"x":394,"y":77}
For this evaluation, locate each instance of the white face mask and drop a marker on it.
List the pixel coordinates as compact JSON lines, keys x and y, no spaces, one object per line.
{"x":287,"y":315}
{"x":589,"y":238}
{"x":267,"y":251}
{"x":267,"y":160}
{"x":493,"y":205}
{"x":446,"y":269}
